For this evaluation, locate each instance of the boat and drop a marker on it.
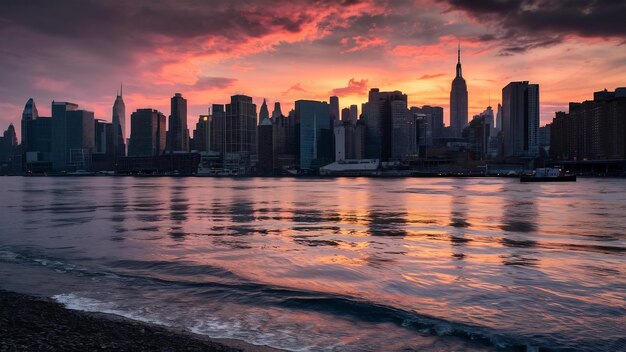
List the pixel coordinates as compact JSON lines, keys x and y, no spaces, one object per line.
{"x":548,"y":174}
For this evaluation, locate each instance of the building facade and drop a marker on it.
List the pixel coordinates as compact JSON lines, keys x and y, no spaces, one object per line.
{"x":520,"y":119}
{"x":147,"y":133}
{"x":458,"y":101}
{"x":178,"y":132}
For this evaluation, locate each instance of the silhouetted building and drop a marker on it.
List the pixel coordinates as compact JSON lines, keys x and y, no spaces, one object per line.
{"x":36,"y":140}
{"x":10,"y":158}
{"x":345,"y":114}
{"x":458,"y":101}
{"x":334,"y":109}
{"x":478,"y":134}
{"x":103,"y":137}
{"x":29,"y":114}
{"x":147,"y":133}
{"x":178,"y":132}
{"x":284,"y":140}
{"x":520,"y":119}
{"x":203,"y":135}
{"x":263,"y":112}
{"x":592,"y":130}
{"x":266,"y":147}
{"x":118,"y":121}
{"x":499,"y":118}
{"x":378,"y":123}
{"x":72,"y":137}
{"x":316,"y":141}
{"x":354,"y":114}
{"x":239,"y":138}
{"x":402,"y":131}
{"x":277,"y":111}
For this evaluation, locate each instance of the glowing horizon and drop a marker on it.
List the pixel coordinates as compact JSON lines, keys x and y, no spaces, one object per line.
{"x":302,"y":50}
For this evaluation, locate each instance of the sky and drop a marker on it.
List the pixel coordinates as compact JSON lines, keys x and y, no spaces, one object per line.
{"x":81,"y":50}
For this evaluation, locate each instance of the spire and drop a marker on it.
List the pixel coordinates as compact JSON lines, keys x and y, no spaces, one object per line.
{"x":121,"y":89}
{"x":459,"y":73}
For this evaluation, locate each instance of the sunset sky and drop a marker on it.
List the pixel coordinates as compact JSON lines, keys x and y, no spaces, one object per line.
{"x":80,"y":51}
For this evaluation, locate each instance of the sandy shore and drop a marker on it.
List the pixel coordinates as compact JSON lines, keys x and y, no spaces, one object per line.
{"x":30,"y":323}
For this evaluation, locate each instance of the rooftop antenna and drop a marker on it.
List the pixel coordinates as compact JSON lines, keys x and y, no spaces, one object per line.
{"x":121,"y":89}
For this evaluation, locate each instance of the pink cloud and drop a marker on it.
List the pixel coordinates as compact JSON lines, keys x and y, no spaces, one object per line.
{"x":354,"y":88}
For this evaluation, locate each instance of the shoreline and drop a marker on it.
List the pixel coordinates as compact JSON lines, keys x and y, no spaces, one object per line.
{"x":31,"y":323}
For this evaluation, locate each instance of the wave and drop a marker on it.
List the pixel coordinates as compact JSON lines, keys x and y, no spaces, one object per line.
{"x":215,"y":284}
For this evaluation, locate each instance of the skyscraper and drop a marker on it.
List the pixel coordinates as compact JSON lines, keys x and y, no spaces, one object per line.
{"x":178,"y":132}
{"x":354,"y":114}
{"x":520,"y":119}
{"x":277,"y":111}
{"x":316,"y":137}
{"x":378,"y":123}
{"x":240,"y":128}
{"x":334,"y":109}
{"x":402,"y":130}
{"x":72,"y":137}
{"x":266,"y":147}
{"x":30,"y":113}
{"x":499,"y":118}
{"x":458,"y":100}
{"x":119,"y":125}
{"x":147,"y":133}
{"x":264,"y":112}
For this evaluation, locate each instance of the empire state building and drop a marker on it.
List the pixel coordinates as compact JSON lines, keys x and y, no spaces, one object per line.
{"x":458,"y":101}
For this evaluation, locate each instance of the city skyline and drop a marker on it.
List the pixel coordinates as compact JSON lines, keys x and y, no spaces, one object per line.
{"x":304,"y":50}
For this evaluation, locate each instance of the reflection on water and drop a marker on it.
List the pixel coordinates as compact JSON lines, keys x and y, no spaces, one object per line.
{"x":439,"y":264}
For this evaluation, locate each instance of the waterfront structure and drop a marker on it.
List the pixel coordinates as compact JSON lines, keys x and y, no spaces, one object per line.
{"x":520,"y":119}
{"x":36,"y":140}
{"x":178,"y":132}
{"x":29,"y":114}
{"x":72,"y":137}
{"x":315,"y":134}
{"x":147,"y":133}
{"x":591,"y":130}
{"x":458,"y":100}
{"x":378,"y":123}
{"x":118,"y":121}
{"x":8,"y":146}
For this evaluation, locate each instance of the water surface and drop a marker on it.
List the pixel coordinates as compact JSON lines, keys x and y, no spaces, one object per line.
{"x":351,"y":264}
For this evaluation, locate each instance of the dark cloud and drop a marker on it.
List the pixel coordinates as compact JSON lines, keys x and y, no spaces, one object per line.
{"x":523,"y":25}
{"x":295,"y":88}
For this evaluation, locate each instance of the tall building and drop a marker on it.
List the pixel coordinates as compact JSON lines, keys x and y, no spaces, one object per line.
{"x":432,"y":124}
{"x":277,"y":111}
{"x":378,"y":123}
{"x":178,"y":132}
{"x":8,"y":144}
{"x":458,"y":100}
{"x":520,"y":119}
{"x":591,"y":130}
{"x":334,"y":109}
{"x":30,"y":113}
{"x":284,"y":140}
{"x":103,"y":138}
{"x":119,"y":125}
{"x":72,"y":137}
{"x":147,"y":133}
{"x":203,"y":135}
{"x":264,"y":112}
{"x":239,"y":136}
{"x":402,"y":131}
{"x":499,"y":118}
{"x":489,"y":119}
{"x":266,"y":147}
{"x":316,"y":141}
{"x":354,"y":114}
{"x":345,"y":114}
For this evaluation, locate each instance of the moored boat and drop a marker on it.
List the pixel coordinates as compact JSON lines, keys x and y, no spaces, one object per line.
{"x":548,"y":174}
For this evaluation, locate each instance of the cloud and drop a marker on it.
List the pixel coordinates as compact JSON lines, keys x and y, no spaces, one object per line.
{"x":354,"y":88}
{"x":523,"y":25}
{"x":207,"y":83}
{"x":295,"y":88}
{"x":358,"y":43}
{"x":427,"y":77}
